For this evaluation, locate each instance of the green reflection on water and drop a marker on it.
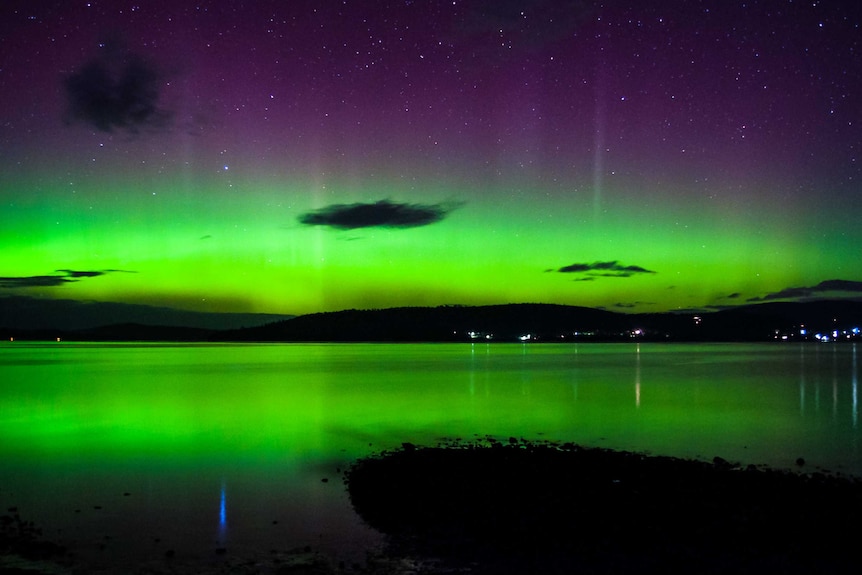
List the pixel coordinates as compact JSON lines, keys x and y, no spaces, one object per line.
{"x":198,"y":403}
{"x":217,"y":442}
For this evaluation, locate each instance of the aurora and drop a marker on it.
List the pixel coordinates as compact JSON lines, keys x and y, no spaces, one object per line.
{"x":305,"y":157}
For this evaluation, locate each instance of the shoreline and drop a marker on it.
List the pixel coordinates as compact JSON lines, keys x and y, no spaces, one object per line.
{"x":516,"y":506}
{"x":527,"y":507}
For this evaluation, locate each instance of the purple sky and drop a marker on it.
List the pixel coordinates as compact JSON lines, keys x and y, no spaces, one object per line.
{"x":726,"y":134}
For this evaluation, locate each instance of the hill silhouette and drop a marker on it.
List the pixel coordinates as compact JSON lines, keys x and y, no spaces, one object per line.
{"x":821,"y":320}
{"x":549,"y":322}
{"x":439,"y":324}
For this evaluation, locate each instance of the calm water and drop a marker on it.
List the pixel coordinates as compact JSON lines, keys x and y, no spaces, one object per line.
{"x":126,"y":451}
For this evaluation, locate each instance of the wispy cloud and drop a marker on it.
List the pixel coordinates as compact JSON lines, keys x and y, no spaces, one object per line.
{"x":380,"y":214}
{"x":68,"y":276}
{"x":603,"y":269}
{"x":846,"y":286}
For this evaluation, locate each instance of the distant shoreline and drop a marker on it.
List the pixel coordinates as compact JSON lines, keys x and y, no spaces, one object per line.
{"x":821,"y":321}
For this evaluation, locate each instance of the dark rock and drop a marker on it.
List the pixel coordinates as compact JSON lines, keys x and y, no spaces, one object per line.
{"x":549,"y":509}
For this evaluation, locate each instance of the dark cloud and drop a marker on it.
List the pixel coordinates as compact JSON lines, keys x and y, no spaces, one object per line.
{"x":848,"y":286}
{"x":82,"y":274}
{"x":117,"y":90}
{"x":839,"y":285}
{"x":604,"y":269}
{"x":633,"y":304}
{"x":69,"y":276}
{"x":33,"y":281}
{"x":381,"y":214}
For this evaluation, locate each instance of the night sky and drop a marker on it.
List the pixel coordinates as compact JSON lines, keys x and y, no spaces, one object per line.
{"x":305,"y":156}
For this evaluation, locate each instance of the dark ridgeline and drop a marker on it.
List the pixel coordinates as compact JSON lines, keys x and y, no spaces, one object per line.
{"x":438,"y":324}
{"x":560,"y":323}
{"x":783,"y":321}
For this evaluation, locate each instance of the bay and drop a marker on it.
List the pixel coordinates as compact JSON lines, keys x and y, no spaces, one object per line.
{"x":126,"y":452}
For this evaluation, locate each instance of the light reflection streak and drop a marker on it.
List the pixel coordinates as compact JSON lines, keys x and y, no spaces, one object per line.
{"x":638,"y":376}
{"x":854,"y":385}
{"x":575,"y":376}
{"x":472,"y":384}
{"x":817,"y":396}
{"x":802,"y":380}
{"x":222,"y":515}
{"x":834,"y":383}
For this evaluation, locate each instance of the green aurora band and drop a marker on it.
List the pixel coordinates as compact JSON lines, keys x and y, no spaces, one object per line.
{"x":679,"y":157}
{"x":210,"y":245}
